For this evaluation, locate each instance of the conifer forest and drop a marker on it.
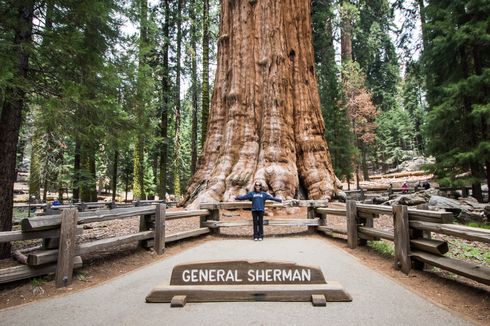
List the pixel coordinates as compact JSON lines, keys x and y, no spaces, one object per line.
{"x":197,"y":99}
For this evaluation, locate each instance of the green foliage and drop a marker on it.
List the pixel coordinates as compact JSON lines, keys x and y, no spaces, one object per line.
{"x":394,"y":136}
{"x":375,"y":52}
{"x":82,"y":276}
{"x":413,"y":93}
{"x":337,"y":125}
{"x":383,"y":247}
{"x":459,"y":249}
{"x":458,"y":77}
{"x":479,"y":225}
{"x":37,"y":281}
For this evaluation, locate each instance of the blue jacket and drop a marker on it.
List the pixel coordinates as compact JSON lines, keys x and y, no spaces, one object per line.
{"x":258,"y":200}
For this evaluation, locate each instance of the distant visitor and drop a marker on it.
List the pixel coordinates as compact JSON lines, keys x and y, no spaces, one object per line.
{"x":404,"y":188}
{"x":258,"y":198}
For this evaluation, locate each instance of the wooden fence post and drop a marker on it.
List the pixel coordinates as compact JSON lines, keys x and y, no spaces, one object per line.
{"x":402,"y":239}
{"x":160,"y":228}
{"x":419,"y":234}
{"x":311,"y":214}
{"x":322,"y":219}
{"x":368,"y":222}
{"x":214,"y":216}
{"x":351,"y":212}
{"x":145,"y":225}
{"x":66,"y":251}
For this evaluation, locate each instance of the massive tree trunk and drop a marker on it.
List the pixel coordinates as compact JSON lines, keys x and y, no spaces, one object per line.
{"x":265,"y":122}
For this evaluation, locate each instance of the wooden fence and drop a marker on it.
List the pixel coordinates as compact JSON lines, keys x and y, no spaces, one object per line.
{"x":411,"y":236}
{"x":50,"y":209}
{"x":60,"y":252}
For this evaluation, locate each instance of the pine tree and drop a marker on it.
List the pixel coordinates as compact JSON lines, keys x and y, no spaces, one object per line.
{"x":139,"y":152}
{"x":165,"y":98}
{"x":357,"y":99}
{"x":373,"y":49}
{"x":457,"y":59}
{"x":178,"y":109}
{"x":16,"y":37}
{"x":205,"y":71}
{"x":414,"y":102}
{"x":337,"y":126}
{"x":194,"y":81}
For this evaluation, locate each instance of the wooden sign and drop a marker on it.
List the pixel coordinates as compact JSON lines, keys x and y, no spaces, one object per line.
{"x":247,"y":281}
{"x":245,"y":272}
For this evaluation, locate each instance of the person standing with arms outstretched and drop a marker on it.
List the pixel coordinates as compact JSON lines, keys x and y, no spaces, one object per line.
{"x":258,"y":198}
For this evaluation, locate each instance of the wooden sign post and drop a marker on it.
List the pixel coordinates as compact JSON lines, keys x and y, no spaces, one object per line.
{"x":247,"y":281}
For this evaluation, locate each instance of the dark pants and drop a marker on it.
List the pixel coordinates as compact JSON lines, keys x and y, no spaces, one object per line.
{"x":258,"y":218}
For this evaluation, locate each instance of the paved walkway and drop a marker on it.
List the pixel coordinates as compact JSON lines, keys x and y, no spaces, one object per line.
{"x":377,"y":300}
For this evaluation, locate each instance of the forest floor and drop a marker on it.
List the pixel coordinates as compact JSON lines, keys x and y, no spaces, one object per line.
{"x":455,"y":293}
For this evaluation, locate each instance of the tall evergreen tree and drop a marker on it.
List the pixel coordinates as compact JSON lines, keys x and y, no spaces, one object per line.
{"x":165,"y":97}
{"x":414,"y":102}
{"x":458,"y":60}
{"x":205,"y":71}
{"x":16,"y":42}
{"x":375,"y":52}
{"x":194,"y":81}
{"x":140,"y":109}
{"x":178,"y":108}
{"x":337,"y":126}
{"x":357,"y":100}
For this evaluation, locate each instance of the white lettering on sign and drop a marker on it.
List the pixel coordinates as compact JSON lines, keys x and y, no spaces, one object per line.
{"x":185,"y":275}
{"x":210,"y":275}
{"x":253,"y":275}
{"x":194,"y":275}
{"x":279,"y":275}
{"x":241,"y":272}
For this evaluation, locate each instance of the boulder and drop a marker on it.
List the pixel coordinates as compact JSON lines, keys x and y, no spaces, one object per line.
{"x":412,"y":200}
{"x":465,"y":209}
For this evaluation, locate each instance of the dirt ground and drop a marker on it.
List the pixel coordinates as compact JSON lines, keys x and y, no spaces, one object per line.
{"x":455,"y":293}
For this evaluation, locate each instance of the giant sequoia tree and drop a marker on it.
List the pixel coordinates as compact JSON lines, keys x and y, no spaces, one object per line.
{"x":265,"y":120}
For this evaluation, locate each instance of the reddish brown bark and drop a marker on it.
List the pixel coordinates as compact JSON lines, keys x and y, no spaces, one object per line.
{"x":265,"y":121}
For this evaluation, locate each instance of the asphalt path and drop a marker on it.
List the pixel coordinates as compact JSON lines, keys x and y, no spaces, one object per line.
{"x":377,"y":300}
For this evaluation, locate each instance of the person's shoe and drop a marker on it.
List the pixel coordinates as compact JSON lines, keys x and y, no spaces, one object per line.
{"x":260,"y":239}
{"x":255,"y":239}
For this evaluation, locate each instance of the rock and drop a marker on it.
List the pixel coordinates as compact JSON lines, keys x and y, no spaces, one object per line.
{"x":443,"y":202}
{"x":471,"y":216}
{"x":414,"y":164}
{"x":341,"y":196}
{"x":411,"y":200}
{"x":465,"y":209}
{"x":380,"y":199}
